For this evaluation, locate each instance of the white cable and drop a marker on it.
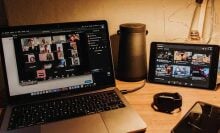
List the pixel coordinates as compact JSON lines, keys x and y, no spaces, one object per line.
{"x":212,"y":21}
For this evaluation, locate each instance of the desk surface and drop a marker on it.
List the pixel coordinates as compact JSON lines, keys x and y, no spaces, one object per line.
{"x":159,"y":122}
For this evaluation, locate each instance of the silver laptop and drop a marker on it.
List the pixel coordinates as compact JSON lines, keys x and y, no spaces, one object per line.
{"x":60,"y":78}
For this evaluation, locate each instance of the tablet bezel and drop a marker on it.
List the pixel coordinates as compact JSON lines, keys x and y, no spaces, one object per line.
{"x":212,"y":72}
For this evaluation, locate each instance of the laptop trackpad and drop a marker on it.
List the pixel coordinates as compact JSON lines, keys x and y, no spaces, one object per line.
{"x":86,"y":124}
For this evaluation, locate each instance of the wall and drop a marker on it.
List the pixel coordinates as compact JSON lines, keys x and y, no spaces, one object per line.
{"x":166,"y":20}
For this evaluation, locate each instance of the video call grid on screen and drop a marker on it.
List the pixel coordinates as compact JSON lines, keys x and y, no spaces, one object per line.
{"x":45,"y":58}
{"x":38,"y":62}
{"x":182,"y":64}
{"x":48,"y":57}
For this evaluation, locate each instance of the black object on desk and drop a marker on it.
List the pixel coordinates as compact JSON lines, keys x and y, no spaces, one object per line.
{"x":201,"y":118}
{"x":167,"y":102}
{"x":132,"y":52}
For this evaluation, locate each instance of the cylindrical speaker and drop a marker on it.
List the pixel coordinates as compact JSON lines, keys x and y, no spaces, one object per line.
{"x":132,"y":52}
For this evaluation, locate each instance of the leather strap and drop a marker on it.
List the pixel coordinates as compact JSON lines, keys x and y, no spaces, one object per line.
{"x":167,"y":102}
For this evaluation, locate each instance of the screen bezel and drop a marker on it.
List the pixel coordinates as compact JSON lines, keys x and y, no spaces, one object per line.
{"x":213,"y":69}
{"x":25,"y":98}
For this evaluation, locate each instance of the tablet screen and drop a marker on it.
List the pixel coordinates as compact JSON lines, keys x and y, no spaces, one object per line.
{"x":192,"y":65}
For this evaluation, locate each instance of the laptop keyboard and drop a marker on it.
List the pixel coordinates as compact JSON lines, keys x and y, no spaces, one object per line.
{"x":49,"y":111}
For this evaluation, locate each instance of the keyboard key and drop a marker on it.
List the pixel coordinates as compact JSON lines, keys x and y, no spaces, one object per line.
{"x":49,"y":111}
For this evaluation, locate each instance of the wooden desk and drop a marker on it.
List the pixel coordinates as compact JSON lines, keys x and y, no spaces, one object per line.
{"x":161,"y":122}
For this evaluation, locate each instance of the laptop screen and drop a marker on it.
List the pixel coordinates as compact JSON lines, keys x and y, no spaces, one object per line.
{"x":56,"y":58}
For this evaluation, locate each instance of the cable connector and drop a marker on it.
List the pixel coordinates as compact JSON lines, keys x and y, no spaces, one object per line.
{"x":199,"y":1}
{"x":134,"y":89}
{"x":124,"y":91}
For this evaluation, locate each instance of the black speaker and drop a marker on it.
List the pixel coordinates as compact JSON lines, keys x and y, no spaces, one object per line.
{"x":132,"y":52}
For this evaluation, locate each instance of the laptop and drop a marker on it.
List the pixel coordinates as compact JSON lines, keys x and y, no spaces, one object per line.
{"x":60,"y":78}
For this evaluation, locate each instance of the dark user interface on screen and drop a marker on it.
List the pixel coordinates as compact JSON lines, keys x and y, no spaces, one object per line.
{"x":183,"y":65}
{"x":56,"y":54}
{"x":49,"y":57}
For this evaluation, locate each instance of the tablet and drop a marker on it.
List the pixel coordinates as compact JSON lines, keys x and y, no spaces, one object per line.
{"x":190,"y":65}
{"x":201,"y":118}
